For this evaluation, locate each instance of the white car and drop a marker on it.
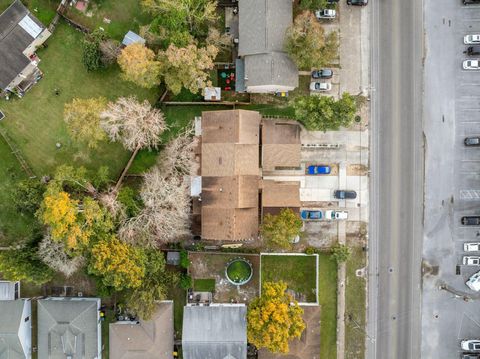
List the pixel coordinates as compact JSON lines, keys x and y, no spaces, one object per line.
{"x":320,"y":86}
{"x":471,"y":345}
{"x":471,"y":39}
{"x":471,"y":247}
{"x":336,"y":214}
{"x":471,"y":261}
{"x":325,"y":14}
{"x":471,"y":65}
{"x":474,"y":282}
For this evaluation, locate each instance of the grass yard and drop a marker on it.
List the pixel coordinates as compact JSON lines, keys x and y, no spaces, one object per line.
{"x":299,"y":272}
{"x":327,"y":298}
{"x":123,"y":15}
{"x":36,"y":122}
{"x":179,"y":297}
{"x":13,"y":226}
{"x":44,"y":10}
{"x":204,"y":285}
{"x":355,"y":309}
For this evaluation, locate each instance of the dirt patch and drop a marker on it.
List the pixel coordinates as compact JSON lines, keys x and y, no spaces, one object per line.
{"x":212,"y":265}
{"x":357,"y":170}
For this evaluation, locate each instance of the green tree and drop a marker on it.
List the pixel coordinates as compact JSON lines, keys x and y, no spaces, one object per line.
{"x":27,"y":195}
{"x":279,"y":231}
{"x":166,"y":30}
{"x":341,"y":253}
{"x":154,"y":285}
{"x":91,"y":56}
{"x":322,"y":113}
{"x":313,"y":5}
{"x":185,"y":281}
{"x":130,"y":200}
{"x":184,"y":260}
{"x":272,"y":319}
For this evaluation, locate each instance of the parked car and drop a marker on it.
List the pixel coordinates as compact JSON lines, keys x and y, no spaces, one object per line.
{"x":470,"y":356}
{"x":357,"y":2}
{"x":469,"y":2}
{"x":471,"y":220}
{"x":344,"y":194}
{"x":336,"y":214}
{"x":474,"y":282}
{"x":311,"y":215}
{"x":471,"y":247}
{"x":319,"y":170}
{"x":320,"y":86}
{"x":473,"y":50}
{"x":471,"y":345}
{"x":325,"y":14}
{"x":322,"y":74}
{"x":471,"y":261}
{"x":471,"y":39}
{"x":472,"y":141}
{"x":471,"y":65}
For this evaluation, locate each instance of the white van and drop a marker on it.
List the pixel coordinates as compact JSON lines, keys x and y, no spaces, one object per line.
{"x":474,"y":282}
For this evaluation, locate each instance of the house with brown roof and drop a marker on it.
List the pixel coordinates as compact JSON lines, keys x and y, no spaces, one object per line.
{"x":145,"y":339}
{"x":277,"y":195}
{"x":281,"y":145}
{"x":230,"y":173}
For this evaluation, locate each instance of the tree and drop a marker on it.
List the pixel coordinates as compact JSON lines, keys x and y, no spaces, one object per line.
{"x":138,"y":65}
{"x":187,"y":67}
{"x":27,"y":195}
{"x":135,"y":124}
{"x":166,"y":30}
{"x":197,"y":14}
{"x":313,"y":5}
{"x":54,"y":254}
{"x":91,"y":56}
{"x":280,"y":230}
{"x":83,"y":119}
{"x":341,"y":253}
{"x":322,"y":113}
{"x":109,"y":51}
{"x":141,"y":300}
{"x":272,"y":320}
{"x":330,"y":49}
{"x":166,"y":213}
{"x":118,"y":264}
{"x":221,"y":41}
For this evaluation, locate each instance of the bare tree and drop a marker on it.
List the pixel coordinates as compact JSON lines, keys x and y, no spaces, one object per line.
{"x":221,"y":41}
{"x":54,"y":254}
{"x":109,"y":50}
{"x":135,"y":124}
{"x":166,"y":214}
{"x":178,"y":156}
{"x":109,"y":201}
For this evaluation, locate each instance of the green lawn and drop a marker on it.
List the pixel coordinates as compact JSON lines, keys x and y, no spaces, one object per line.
{"x":44,"y":10}
{"x":124,"y":15}
{"x":36,"y":121}
{"x":179,"y":297}
{"x":355,"y":296}
{"x":299,"y":272}
{"x":13,"y":226}
{"x":204,"y":285}
{"x":327,"y":298}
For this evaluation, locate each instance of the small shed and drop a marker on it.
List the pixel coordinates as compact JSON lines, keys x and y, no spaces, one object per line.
{"x":132,"y":38}
{"x":173,"y":258}
{"x":213,"y":94}
{"x":9,"y":290}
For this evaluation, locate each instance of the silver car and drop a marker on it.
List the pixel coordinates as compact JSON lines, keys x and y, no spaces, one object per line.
{"x":471,"y":261}
{"x":325,"y":14}
{"x":318,"y":86}
{"x":471,"y":65}
{"x":471,"y":39}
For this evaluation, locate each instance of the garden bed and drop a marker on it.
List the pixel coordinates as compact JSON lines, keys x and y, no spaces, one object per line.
{"x":213,"y":265}
{"x":298,"y":271}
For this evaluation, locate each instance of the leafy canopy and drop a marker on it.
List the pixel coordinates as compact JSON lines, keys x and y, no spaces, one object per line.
{"x":279,"y":231}
{"x":138,"y":65}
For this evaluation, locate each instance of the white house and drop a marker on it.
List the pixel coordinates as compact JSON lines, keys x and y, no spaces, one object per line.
{"x":16,"y":329}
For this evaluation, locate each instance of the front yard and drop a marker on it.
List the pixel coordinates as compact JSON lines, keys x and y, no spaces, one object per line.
{"x":299,"y":272}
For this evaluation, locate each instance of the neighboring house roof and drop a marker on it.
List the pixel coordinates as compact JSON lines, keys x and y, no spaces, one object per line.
{"x":262,"y":28}
{"x":11,"y":320}
{"x":214,"y":332}
{"x":281,"y":145}
{"x":281,"y":194}
{"x":132,"y":38}
{"x":152,"y":339}
{"x":9,"y":290}
{"x":308,"y":346}
{"x":230,"y":174}
{"x":69,"y":327}
{"x":18,"y":29}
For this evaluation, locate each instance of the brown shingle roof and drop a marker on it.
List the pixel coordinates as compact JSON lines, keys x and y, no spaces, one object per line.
{"x":231,"y":126}
{"x":233,"y":224}
{"x":280,"y":144}
{"x":229,"y":159}
{"x":152,"y":339}
{"x":281,"y":194}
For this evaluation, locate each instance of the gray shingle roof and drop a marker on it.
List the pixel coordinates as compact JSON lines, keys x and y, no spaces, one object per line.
{"x":214,"y":332}
{"x":11,"y":316}
{"x":68,"y":326}
{"x":274,"y":68}
{"x":14,"y":39}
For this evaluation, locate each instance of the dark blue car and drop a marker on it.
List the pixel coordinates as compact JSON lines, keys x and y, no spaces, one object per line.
{"x":319,"y":170}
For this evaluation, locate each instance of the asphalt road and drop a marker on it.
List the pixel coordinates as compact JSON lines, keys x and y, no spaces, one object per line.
{"x":394,"y":314}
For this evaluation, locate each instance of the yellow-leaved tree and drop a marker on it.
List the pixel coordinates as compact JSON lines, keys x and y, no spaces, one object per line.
{"x":274,"y":318}
{"x":138,"y":65}
{"x":118,"y":264}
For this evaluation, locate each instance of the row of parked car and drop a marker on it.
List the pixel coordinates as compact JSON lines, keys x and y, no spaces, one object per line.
{"x":473,"y":50}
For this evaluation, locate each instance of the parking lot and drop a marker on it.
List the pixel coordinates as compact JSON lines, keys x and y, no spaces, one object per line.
{"x":452,"y":174}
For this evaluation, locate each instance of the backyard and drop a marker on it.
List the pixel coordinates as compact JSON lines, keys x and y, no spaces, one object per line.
{"x":298,"y":272}
{"x":206,"y":267}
